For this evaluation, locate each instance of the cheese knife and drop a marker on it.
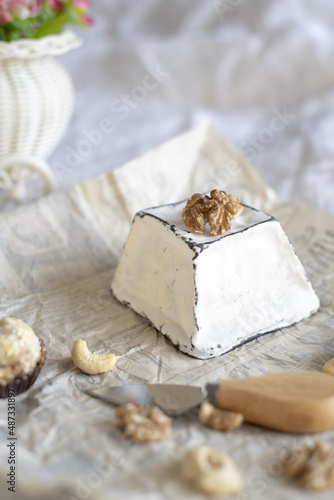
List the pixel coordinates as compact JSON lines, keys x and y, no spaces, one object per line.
{"x":295,"y":401}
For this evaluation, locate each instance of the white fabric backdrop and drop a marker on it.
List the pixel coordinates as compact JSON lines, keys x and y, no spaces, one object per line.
{"x":237,"y":63}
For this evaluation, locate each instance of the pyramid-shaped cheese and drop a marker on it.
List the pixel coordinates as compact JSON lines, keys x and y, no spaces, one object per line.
{"x":206,"y":293}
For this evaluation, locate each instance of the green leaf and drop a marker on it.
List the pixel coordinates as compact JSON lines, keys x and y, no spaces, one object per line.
{"x":47,"y":22}
{"x":53,"y":27}
{"x":3,"y":37}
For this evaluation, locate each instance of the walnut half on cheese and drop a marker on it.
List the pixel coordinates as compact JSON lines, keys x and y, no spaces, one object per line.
{"x":209,"y":294}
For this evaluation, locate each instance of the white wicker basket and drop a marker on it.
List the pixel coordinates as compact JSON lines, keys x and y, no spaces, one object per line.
{"x":36,"y":101}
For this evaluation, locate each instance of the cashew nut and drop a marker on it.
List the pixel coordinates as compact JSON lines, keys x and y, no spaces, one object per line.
{"x":329,"y":367}
{"x":90,"y":363}
{"x":211,"y":472}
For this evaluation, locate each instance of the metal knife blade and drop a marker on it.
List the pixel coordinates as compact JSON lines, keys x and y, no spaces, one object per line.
{"x":173,"y":399}
{"x":294,"y":401}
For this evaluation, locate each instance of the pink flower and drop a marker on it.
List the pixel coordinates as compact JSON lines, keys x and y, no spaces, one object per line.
{"x":19,"y":8}
{"x":22,"y":9}
{"x":35,"y":6}
{"x":5,"y":17}
{"x":81,"y":4}
{"x":87,"y":20}
{"x":56,"y":4}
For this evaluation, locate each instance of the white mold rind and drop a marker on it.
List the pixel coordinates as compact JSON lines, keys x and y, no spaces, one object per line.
{"x":209,"y":294}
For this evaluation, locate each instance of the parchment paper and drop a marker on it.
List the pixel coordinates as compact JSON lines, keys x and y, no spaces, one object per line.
{"x":57,"y":259}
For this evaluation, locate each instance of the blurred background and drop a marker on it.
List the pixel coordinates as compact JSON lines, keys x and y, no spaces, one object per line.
{"x":261,"y":71}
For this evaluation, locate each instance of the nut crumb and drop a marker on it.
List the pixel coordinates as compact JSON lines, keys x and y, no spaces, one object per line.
{"x":218,"y":211}
{"x":329,"y":367}
{"x":312,"y":465}
{"x":143,"y":423}
{"x":221,"y":420}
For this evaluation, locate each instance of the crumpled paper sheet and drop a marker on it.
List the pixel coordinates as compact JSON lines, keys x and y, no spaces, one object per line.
{"x":57,"y":259}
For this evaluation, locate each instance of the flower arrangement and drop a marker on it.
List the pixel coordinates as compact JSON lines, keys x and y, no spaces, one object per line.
{"x":38,"y":18}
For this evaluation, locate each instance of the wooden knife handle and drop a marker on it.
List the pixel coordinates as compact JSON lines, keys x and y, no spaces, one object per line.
{"x":297,"y":401}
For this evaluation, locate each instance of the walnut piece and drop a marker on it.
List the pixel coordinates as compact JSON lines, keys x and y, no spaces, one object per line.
{"x":143,"y":423}
{"x":221,"y":420}
{"x":211,"y":471}
{"x":218,"y":211}
{"x":194,"y":214}
{"x":313,"y":465}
